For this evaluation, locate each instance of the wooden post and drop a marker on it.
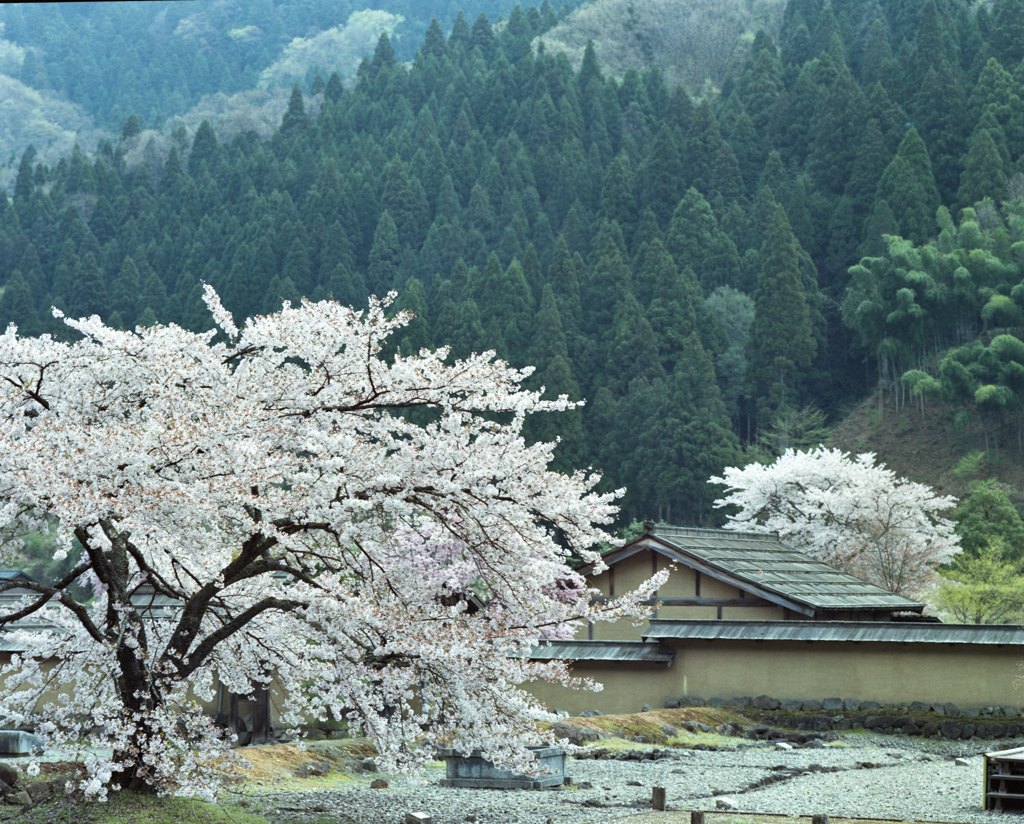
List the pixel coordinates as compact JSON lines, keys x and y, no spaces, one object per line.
{"x":260,"y":715}
{"x":819,"y":819}
{"x":657,"y":798}
{"x":697,"y":817}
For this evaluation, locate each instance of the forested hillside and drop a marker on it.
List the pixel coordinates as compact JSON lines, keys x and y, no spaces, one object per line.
{"x":681,"y":258}
{"x":76,"y":70}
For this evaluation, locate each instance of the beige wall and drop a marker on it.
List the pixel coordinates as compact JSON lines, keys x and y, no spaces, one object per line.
{"x":682,"y":583}
{"x":967,"y":675}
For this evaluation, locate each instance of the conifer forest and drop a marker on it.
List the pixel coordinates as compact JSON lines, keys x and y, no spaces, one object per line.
{"x":719,"y":261}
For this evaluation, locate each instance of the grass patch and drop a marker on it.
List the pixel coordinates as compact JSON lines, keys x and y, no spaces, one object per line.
{"x":273,"y":767}
{"x":649,"y":725}
{"x":132,"y":808}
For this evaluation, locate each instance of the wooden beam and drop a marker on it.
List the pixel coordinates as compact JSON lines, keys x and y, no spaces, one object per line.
{"x":697,"y":602}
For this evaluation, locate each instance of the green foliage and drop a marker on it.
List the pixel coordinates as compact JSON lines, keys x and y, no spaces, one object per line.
{"x":599,"y":224}
{"x":781,"y":335}
{"x":987,"y":517}
{"x":981,"y":588}
{"x":803,"y":429}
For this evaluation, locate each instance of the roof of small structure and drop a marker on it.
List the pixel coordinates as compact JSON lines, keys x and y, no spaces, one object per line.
{"x":843,"y":631}
{"x":603,"y":651}
{"x":764,"y":566}
{"x":15,"y":575}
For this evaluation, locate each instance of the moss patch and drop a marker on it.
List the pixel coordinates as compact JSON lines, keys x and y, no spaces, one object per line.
{"x":648,"y":725}
{"x":131,"y":808}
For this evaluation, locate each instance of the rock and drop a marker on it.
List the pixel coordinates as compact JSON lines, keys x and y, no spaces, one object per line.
{"x":18,"y":799}
{"x":950,"y":729}
{"x":725,"y":802}
{"x":671,"y":704}
{"x":952,"y":710}
{"x":369,"y":765}
{"x":873,"y":722}
{"x":968,"y":731}
{"x":38,"y":789}
{"x":743,"y":701}
{"x":62,"y":784}
{"x":587,"y":714}
{"x":577,"y":735}
{"x":812,"y":706}
{"x":919,"y":706}
{"x":379,"y":784}
{"x":646,"y":708}
{"x":851,"y":705}
{"x":669,"y":730}
{"x":593,"y":802}
{"x":561,"y":713}
{"x":417,"y":818}
{"x":691,"y":701}
{"x":832,"y":705}
{"x":997,"y":730}
{"x":929,"y":729}
{"x":633,"y":784}
{"x":8,"y":774}
{"x":783,"y":745}
{"x":313,"y":768}
{"x":792,"y":706}
{"x":766,"y":702}
{"x":716,"y":702}
{"x":938,"y":709}
{"x":870,"y":705}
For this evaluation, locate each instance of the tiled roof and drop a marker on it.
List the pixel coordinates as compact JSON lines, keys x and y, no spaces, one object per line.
{"x":763,"y":565}
{"x":602,"y":651}
{"x":847,"y":631}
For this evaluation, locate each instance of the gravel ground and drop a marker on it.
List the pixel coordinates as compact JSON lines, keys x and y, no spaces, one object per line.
{"x":893,"y":778}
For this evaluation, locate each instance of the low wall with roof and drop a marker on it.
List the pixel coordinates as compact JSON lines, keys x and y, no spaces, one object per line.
{"x":888,"y":673}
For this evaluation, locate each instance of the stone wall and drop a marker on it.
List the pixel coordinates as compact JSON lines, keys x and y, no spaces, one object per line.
{"x":915,"y":718}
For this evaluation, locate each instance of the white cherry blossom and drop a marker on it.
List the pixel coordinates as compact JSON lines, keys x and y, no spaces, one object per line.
{"x":375,"y":537}
{"x":846,"y":511}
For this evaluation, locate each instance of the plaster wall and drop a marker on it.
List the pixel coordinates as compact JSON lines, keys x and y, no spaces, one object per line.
{"x":968,"y":675}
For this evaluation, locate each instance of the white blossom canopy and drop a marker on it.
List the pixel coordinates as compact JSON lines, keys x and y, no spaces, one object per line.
{"x":849,"y":512}
{"x":290,"y":490}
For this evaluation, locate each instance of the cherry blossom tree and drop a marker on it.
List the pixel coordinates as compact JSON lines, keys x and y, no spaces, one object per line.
{"x":849,"y":512}
{"x":307,"y":514}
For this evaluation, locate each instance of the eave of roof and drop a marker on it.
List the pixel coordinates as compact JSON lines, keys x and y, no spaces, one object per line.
{"x":603,"y":651}
{"x":839,"y":631}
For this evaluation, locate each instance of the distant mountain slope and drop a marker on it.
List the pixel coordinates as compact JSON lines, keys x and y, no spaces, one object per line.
{"x":926,"y":446}
{"x":41,"y":119}
{"x":693,"y":42}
